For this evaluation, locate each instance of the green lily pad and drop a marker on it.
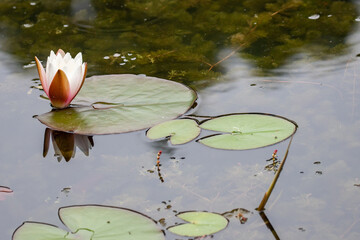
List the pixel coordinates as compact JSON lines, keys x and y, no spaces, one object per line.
{"x":121,"y":103}
{"x":247,"y":131}
{"x":93,"y":222}
{"x":180,"y":131}
{"x":200,"y":224}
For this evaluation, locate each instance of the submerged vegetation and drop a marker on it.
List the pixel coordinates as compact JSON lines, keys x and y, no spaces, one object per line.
{"x":177,"y":40}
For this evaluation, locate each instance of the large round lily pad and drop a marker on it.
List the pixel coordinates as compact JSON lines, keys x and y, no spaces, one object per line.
{"x":93,"y":222}
{"x":121,"y":103}
{"x":199,"y":224}
{"x":247,"y":131}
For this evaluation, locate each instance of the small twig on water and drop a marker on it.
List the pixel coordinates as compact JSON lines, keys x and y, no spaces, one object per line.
{"x":232,"y":53}
{"x":226,"y":57}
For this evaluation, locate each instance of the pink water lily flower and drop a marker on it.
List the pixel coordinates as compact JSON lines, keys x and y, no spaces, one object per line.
{"x":63,"y":78}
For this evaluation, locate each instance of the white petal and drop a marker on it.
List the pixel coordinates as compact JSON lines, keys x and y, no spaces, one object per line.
{"x":56,"y":62}
{"x":50,"y":59}
{"x":69,"y":68}
{"x":67,"y":57}
{"x":78,"y":57}
{"x":52,"y":55}
{"x":78,"y":61}
{"x":50,"y":72}
{"x":47,"y":65}
{"x":75,"y":80}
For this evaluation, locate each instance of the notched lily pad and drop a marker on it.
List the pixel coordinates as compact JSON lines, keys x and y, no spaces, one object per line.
{"x":247,"y":131}
{"x":121,"y":103}
{"x":199,"y":224}
{"x":93,"y":222}
{"x":180,"y":131}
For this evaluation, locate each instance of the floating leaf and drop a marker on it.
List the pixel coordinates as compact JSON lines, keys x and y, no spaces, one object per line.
{"x":38,"y":231}
{"x":200,"y":224}
{"x":121,"y":103}
{"x":180,"y":131}
{"x":247,"y":131}
{"x":93,"y":222}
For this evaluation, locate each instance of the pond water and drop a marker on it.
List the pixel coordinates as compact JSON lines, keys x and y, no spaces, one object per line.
{"x":296,"y":59}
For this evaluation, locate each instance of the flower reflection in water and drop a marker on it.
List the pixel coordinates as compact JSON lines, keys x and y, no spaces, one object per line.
{"x":65,"y":144}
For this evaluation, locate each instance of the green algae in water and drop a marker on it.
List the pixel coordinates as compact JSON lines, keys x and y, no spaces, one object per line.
{"x":177,"y":40}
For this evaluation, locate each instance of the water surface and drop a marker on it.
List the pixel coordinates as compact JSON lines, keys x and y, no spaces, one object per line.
{"x":310,"y":77}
